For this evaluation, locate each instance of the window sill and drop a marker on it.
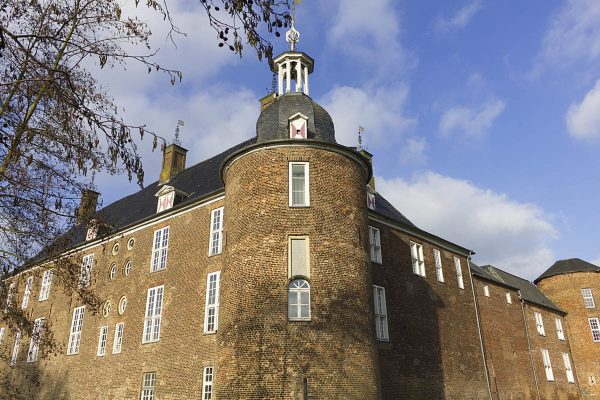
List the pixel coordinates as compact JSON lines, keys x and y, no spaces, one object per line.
{"x":150,"y":342}
{"x":209,"y":333}
{"x":299,"y":319}
{"x":299,"y":206}
{"x":215,"y":254}
{"x":377,"y":262}
{"x":158,"y":270}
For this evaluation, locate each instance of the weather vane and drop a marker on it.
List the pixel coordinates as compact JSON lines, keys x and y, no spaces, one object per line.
{"x":176,"y":139}
{"x":293,"y":36}
{"x":361,"y":130}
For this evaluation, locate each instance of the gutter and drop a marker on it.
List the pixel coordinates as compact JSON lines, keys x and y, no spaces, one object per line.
{"x":537,"y":387}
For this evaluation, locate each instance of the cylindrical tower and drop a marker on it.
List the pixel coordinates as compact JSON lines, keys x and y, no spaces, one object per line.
{"x":296,"y":314}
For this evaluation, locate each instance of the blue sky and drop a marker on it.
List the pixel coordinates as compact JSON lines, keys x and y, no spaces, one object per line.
{"x":483,"y":117}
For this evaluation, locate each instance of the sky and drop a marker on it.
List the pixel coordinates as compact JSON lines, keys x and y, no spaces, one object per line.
{"x":483,"y":117}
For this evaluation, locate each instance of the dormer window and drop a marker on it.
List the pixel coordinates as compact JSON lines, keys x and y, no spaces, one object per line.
{"x":298,"y":126}
{"x":92,"y":230}
{"x":168,"y":197}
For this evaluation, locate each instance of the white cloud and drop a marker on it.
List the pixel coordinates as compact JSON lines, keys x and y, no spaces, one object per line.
{"x":583,"y":119}
{"x":460,"y":19}
{"x":471,"y":122}
{"x":509,"y":234}
{"x":413,"y":151}
{"x":378,"y":110}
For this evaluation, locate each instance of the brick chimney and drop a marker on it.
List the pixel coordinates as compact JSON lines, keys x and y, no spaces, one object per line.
{"x":173,"y":162}
{"x":267,"y":100}
{"x":87,"y":207}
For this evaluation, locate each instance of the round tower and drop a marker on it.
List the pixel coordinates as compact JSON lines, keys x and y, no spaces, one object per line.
{"x":296,"y":318}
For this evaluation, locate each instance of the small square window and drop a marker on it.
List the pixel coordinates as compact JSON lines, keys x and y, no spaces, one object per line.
{"x":508,"y":298}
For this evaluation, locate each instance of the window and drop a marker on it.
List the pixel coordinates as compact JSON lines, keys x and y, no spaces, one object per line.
{"x":127,"y":268}
{"x":86,"y":270}
{"x":559,"y":329}
{"x":299,"y":185}
{"x":547,"y":365}
{"x":9,"y":295}
{"x":459,"y":276}
{"x":381,"y":323}
{"x":76,"y":327}
{"x":508,"y":298}
{"x":588,"y":298}
{"x":153,"y":314}
{"x":486,"y":290}
{"x":375,"y":244}
{"x":45,"y":288}
{"x":439,"y":272}
{"x":118,"y":341}
{"x":216,"y":231}
{"x":595,"y":328}
{"x":34,"y":343}
{"x":27,"y":292}
{"x":418,"y":262}
{"x":298,"y":256}
{"x":102,"y":341}
{"x":113,"y":271}
{"x":211,"y":307}
{"x":568,"y":368}
{"x":539,"y":323}
{"x":299,"y":300}
{"x":148,"y":383}
{"x":15,"y":351}
{"x":106,"y":309}
{"x":122,"y":305}
{"x":1,"y":335}
{"x":160,"y":249}
{"x":130,"y":243}
{"x":207,"y":383}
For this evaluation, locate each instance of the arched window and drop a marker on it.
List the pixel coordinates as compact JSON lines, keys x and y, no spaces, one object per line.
{"x":299,"y":300}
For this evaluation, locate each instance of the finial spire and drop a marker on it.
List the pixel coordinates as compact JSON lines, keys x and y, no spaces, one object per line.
{"x":293,"y":36}
{"x":361,"y":130}
{"x":176,"y":139}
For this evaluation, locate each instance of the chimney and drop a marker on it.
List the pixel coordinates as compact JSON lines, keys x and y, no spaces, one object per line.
{"x":87,"y":207}
{"x":173,"y":162}
{"x":369,"y":157}
{"x":267,"y":100}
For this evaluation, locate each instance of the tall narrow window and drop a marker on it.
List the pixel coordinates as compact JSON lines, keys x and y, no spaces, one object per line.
{"x":568,"y":368}
{"x":86,"y":270}
{"x":375,"y":244}
{"x":299,"y":300}
{"x":34,"y":343}
{"x":547,"y":365}
{"x":595,"y":328}
{"x":1,"y":334}
{"x":27,"y":292}
{"x":381,"y":322}
{"x":46,"y":283}
{"x":118,"y":341}
{"x":559,"y":329}
{"x":418,"y":261}
{"x":211,"y":307}
{"x":102,"y":341}
{"x":76,"y":327}
{"x":216,"y":231}
{"x":298,"y":256}
{"x":207,"y":383}
{"x":459,"y":275}
{"x":539,"y":323}
{"x":160,"y":249}
{"x":588,"y":298}
{"x":148,"y":383}
{"x":439,"y":272}
{"x":153,"y":314}
{"x":15,"y":351}
{"x":486,"y":290}
{"x":508,"y":298}
{"x":299,"y":185}
{"x":9,"y":296}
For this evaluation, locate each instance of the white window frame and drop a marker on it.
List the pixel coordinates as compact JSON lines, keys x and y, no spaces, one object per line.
{"x":75,"y":332}
{"x":148,"y":386}
{"x":211,"y":303}
{"x":292,"y":262}
{"x":298,"y":286}
{"x":508,"y":297}
{"x":486,"y":290}
{"x":306,"y":200}
{"x":375,"y":244}
{"x":46,"y":284}
{"x":547,"y":365}
{"x":381,"y":317}
{"x":15,"y":351}
{"x":152,"y":320}
{"x":102,"y":339}
{"x":539,"y":323}
{"x":215,"y":245}
{"x":27,"y":292}
{"x":208,"y":377}
{"x":2,"y":334}
{"x":559,"y":329}
{"x":85,"y":277}
{"x":459,"y":275}
{"x":34,"y":343}
{"x":160,"y":249}
{"x":9,"y":296}
{"x":118,"y":339}
{"x":595,"y":329}
{"x":418,"y":259}
{"x":588,"y":298}
{"x":439,"y":269}
{"x":568,"y":368}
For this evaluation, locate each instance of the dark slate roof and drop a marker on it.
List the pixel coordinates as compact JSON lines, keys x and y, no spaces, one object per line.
{"x":568,"y":266}
{"x":529,"y":292}
{"x":273,"y":122}
{"x":482,"y":273}
{"x":385,"y":208}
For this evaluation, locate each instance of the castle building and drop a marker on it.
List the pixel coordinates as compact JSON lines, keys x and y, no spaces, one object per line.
{"x":275,"y":270}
